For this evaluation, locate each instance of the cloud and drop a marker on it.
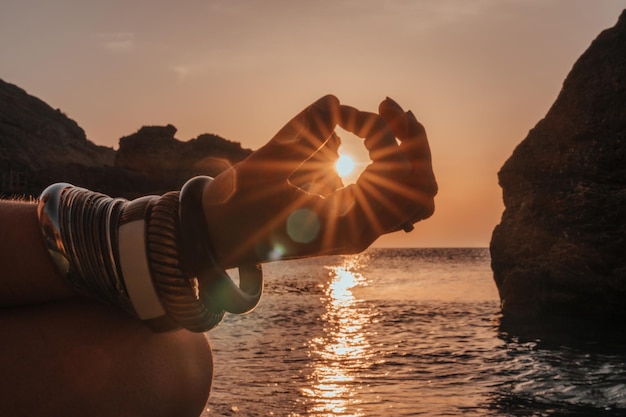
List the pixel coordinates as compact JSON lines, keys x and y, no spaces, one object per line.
{"x":118,"y":42}
{"x":190,"y":69}
{"x":181,"y":71}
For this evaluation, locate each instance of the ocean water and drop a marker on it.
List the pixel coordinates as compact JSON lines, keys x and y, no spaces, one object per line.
{"x":402,"y":332}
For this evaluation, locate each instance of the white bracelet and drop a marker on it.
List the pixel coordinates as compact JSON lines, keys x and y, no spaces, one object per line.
{"x":132,"y":253}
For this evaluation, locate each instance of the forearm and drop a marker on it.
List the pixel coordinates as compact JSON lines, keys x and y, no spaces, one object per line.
{"x":27,"y":274}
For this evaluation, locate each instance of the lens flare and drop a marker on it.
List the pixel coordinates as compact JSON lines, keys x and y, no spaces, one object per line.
{"x":276,"y":253}
{"x":303,"y":226}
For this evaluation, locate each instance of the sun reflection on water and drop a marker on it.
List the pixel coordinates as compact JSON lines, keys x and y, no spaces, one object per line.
{"x":344,"y":348}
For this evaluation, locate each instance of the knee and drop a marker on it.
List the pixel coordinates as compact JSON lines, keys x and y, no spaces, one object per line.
{"x":181,"y":369}
{"x":82,"y":359}
{"x":160,"y":374}
{"x":157,"y":374}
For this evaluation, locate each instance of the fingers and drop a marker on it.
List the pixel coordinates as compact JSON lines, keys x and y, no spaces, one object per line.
{"x":376,"y":186}
{"x":397,"y":188}
{"x":414,"y":143}
{"x":303,"y":135}
{"x":379,"y":139}
{"x":395,"y":117}
{"x":407,"y":129}
{"x":418,"y":148}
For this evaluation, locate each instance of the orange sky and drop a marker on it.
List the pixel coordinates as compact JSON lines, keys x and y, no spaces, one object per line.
{"x":478,"y":73}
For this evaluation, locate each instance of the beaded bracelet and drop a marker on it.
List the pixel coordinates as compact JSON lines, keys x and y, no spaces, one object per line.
{"x":150,"y":257}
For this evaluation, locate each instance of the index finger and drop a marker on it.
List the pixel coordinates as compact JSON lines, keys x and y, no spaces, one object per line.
{"x":378,"y":139}
{"x":407,"y":129}
{"x":303,"y":135}
{"x":413,"y":141}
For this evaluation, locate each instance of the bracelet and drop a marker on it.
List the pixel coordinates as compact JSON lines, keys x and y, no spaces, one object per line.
{"x":77,"y":230}
{"x":150,"y":257}
{"x":135,"y":270}
{"x":215,"y":284}
{"x":179,"y":290}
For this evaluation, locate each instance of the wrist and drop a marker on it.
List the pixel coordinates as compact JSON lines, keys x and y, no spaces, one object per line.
{"x":149,"y":256}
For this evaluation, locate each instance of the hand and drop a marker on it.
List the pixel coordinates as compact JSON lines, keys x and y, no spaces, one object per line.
{"x":285,"y":201}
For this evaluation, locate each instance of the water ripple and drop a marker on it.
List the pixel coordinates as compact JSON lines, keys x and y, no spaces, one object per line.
{"x":403,"y":333}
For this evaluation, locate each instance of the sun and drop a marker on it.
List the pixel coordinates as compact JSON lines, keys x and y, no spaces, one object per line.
{"x":345,"y":165}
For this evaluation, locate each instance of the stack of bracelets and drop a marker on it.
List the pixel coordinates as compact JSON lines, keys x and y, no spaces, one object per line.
{"x":150,"y":257}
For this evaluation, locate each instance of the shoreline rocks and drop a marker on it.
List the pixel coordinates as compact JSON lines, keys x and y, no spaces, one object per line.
{"x":560,"y":248}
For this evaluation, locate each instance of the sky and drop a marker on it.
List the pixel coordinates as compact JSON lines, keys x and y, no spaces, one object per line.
{"x":479,"y":74}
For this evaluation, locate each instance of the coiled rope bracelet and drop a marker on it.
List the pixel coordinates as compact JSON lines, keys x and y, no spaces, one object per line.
{"x":150,"y":257}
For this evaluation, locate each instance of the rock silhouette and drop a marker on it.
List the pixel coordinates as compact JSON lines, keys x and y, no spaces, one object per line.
{"x":40,"y":145}
{"x":560,"y":249}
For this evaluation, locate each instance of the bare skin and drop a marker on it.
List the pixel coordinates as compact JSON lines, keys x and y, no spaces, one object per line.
{"x":397,"y":188}
{"x":84,"y":359}
{"x":28,"y":275}
{"x":64,"y":354}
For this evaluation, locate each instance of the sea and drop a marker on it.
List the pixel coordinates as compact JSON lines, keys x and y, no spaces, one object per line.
{"x":403,"y":332}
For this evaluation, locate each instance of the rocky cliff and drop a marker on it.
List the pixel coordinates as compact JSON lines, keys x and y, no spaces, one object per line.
{"x":560,"y":249}
{"x":40,"y":145}
{"x":34,"y":137}
{"x":155,"y":153}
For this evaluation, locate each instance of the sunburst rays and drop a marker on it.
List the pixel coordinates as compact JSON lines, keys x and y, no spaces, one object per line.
{"x":294,"y":173}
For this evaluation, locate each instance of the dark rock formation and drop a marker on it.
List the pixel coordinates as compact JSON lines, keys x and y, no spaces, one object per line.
{"x":34,"y":137}
{"x":154,"y":153}
{"x":560,"y":249}
{"x":40,"y":145}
